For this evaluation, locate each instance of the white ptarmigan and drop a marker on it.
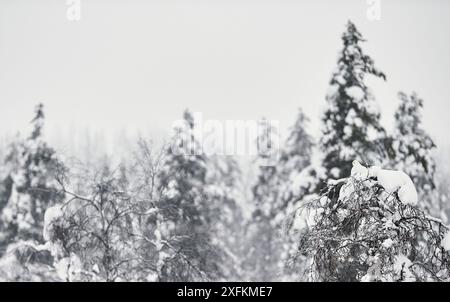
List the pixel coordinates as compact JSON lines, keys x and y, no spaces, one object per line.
{"x":396,"y":181}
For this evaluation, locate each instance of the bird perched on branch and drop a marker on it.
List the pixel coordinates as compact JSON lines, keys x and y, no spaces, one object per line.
{"x":396,"y":182}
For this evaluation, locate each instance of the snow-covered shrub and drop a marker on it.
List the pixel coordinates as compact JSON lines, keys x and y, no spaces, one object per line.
{"x":361,"y":231}
{"x":95,"y":233}
{"x":224,"y":183}
{"x":27,"y":261}
{"x":264,"y":241}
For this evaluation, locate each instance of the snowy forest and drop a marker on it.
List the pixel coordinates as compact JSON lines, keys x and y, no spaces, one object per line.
{"x":357,"y":203}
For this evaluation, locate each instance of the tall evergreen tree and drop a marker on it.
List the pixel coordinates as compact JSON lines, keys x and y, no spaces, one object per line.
{"x":34,"y":183}
{"x":413,"y":149}
{"x":351,"y":122}
{"x":227,"y":230}
{"x":266,"y":190}
{"x":185,"y":209}
{"x":264,"y":240}
{"x":294,"y":160}
{"x":298,"y":180}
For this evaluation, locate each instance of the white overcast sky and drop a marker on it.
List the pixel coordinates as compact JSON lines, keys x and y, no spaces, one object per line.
{"x":135,"y":65}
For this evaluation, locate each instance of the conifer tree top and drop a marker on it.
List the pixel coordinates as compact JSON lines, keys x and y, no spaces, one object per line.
{"x":299,"y":142}
{"x":408,"y":115}
{"x":189,"y":118}
{"x":353,"y":58}
{"x":38,"y":121}
{"x":413,"y":146}
{"x":351,"y":35}
{"x":351,"y":121}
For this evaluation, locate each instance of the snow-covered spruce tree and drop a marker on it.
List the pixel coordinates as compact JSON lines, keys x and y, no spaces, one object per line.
{"x":228,"y":228}
{"x":298,"y":179}
{"x":264,"y":235}
{"x":367,"y":230}
{"x":294,"y":162}
{"x":6,"y":185}
{"x":265,"y":191}
{"x":34,"y":185}
{"x":9,"y":162}
{"x":351,"y":122}
{"x":185,"y":210}
{"x":443,"y":191}
{"x":413,"y":151}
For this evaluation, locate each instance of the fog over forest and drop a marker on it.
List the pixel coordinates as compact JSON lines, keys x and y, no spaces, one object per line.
{"x":165,"y":141}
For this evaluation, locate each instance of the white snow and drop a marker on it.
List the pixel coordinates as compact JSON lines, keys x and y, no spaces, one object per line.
{"x":389,"y":224}
{"x":374,"y":271}
{"x":387,"y":243}
{"x":335,"y":172}
{"x":341,"y":80}
{"x":358,"y":122}
{"x":351,"y":115}
{"x":346,"y":190}
{"x":371,"y":106}
{"x":332,"y":91}
{"x":396,"y":181}
{"x":68,"y":268}
{"x":301,"y":181}
{"x":347,"y":153}
{"x":348,"y":131}
{"x":96,"y":269}
{"x":445,"y":243}
{"x":51,"y":215}
{"x":359,"y":171}
{"x":402,"y":267}
{"x":152,"y":277}
{"x":372,"y":133}
{"x":355,"y":93}
{"x":305,"y":218}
